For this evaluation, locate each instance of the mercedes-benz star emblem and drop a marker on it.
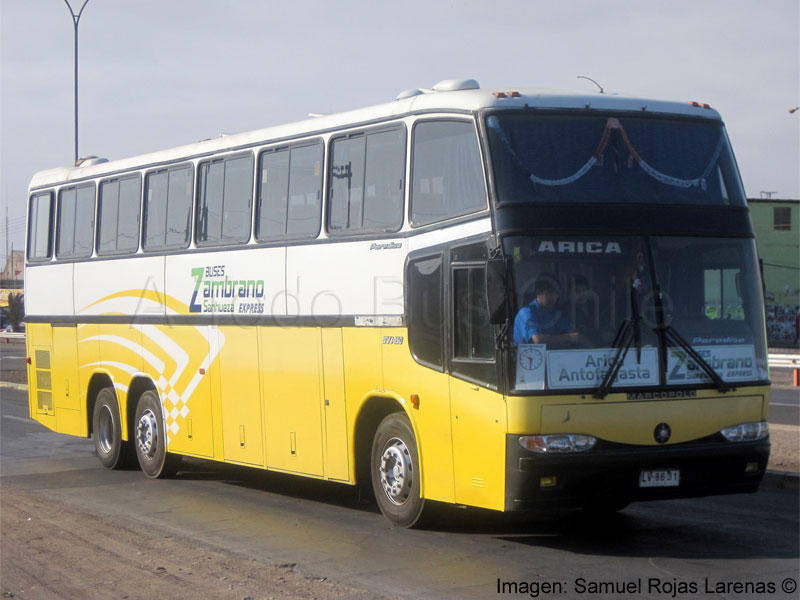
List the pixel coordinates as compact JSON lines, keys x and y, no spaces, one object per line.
{"x":662,"y":433}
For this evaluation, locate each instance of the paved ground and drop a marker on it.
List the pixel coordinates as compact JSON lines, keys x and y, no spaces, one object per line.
{"x":57,"y":548}
{"x":51,"y":550}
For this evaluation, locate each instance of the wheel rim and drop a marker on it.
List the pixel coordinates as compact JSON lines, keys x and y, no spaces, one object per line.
{"x":396,"y":471}
{"x":147,"y":434}
{"x":105,"y":430}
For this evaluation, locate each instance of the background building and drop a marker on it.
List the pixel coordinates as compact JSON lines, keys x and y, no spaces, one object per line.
{"x":777,"y":227}
{"x":11,"y":276}
{"x":13,"y":267}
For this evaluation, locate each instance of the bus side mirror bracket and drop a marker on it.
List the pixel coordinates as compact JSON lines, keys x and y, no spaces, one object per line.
{"x":496,"y":285}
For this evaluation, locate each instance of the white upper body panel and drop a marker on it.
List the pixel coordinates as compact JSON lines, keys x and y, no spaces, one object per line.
{"x":430,"y":101}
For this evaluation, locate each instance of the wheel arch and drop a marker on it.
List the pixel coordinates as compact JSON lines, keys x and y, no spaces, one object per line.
{"x":98,"y":381}
{"x":139,"y":385}
{"x":374,"y":409}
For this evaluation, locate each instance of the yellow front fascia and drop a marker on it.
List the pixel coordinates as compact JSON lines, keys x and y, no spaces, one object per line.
{"x":617,"y":419}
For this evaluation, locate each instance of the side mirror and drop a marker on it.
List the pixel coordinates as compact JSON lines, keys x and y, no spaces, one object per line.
{"x":496,"y":285}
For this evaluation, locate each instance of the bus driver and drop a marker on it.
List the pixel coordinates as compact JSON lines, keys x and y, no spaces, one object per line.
{"x":541,"y":322}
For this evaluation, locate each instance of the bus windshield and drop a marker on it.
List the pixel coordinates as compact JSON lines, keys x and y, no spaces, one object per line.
{"x":668,"y":310}
{"x":611,"y":159}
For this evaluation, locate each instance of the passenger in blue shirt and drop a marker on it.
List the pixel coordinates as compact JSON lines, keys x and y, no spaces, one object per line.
{"x":541,"y":322}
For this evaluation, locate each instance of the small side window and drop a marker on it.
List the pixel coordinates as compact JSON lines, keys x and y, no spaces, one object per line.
{"x":425,"y":310}
{"x":447,"y":176}
{"x":75,"y":231}
{"x":473,"y":339}
{"x":40,"y":226}
{"x":473,"y":347}
{"x":367,"y":182}
{"x":225,"y":198}
{"x":167,"y":208}
{"x":118,"y":216}
{"x":289,"y":193}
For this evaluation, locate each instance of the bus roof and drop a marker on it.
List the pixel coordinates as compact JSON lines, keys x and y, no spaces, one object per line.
{"x":461,"y":99}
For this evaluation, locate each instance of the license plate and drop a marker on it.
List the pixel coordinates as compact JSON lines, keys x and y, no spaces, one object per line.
{"x":660,"y":478}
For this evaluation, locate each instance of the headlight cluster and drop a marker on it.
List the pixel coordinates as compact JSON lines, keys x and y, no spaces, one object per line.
{"x":558,"y":443}
{"x":746,"y":432}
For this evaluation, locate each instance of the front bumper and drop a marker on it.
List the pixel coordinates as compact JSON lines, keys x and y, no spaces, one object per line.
{"x":609,"y":473}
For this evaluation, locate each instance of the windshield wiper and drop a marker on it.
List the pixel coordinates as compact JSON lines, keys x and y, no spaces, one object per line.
{"x":629,"y":332}
{"x":675,"y":338}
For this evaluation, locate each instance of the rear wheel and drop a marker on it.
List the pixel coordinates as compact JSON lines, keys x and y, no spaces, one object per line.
{"x":150,"y":440}
{"x":107,"y":431}
{"x":394,"y":469}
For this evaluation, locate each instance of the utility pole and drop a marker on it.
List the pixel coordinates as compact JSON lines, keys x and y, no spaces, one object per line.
{"x":4,"y":266}
{"x":75,"y":20}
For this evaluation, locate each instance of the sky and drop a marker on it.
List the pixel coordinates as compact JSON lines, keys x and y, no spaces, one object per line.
{"x":161,"y":73}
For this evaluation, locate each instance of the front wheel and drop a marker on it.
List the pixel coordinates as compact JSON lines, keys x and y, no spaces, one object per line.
{"x":394,"y":468}
{"x":150,"y":440}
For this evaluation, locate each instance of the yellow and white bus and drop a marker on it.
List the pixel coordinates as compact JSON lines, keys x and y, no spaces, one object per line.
{"x":496,"y":298}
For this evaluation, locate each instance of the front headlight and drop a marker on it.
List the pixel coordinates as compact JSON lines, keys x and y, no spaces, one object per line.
{"x":746,"y":432}
{"x":558,"y":443}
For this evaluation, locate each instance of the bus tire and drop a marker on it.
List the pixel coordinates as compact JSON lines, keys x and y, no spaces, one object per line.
{"x":107,"y":431}
{"x":394,"y":469}
{"x":149,"y":439}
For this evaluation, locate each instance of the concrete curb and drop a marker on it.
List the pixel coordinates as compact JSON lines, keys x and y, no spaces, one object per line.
{"x":781,"y":480}
{"x":14,"y":386}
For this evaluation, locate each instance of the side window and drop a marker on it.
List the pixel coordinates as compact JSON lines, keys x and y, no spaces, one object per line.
{"x":473,"y":336}
{"x":472,"y":331}
{"x":289,"y":193}
{"x":447,"y":176}
{"x":425,"y":310}
{"x":40,"y":226}
{"x":225,"y":194}
{"x":167,"y":208}
{"x":367,"y":182}
{"x":118,"y":216}
{"x":75,"y":231}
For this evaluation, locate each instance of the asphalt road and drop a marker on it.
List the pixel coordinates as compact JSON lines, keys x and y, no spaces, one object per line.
{"x":12,"y":357}
{"x":784,"y":406}
{"x":328,"y":532}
